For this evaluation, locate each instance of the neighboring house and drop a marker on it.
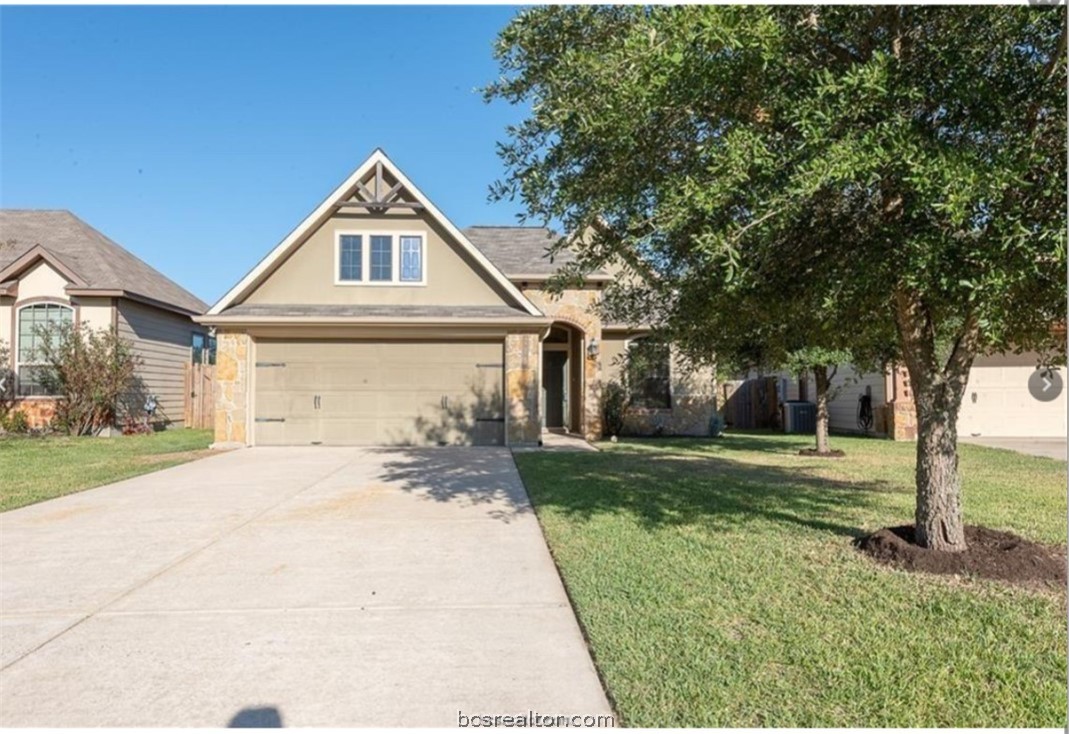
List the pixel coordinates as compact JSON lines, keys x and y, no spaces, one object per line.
{"x":997,"y":401}
{"x":55,"y":268}
{"x":378,"y":321}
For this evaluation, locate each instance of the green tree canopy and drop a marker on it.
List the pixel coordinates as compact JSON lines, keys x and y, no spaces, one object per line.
{"x":921,"y":151}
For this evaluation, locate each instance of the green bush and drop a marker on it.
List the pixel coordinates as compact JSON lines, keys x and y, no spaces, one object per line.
{"x":614,"y":400}
{"x":15,"y":422}
{"x":90,"y":371}
{"x":7,"y":380}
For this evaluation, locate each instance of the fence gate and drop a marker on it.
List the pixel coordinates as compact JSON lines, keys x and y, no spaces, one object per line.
{"x":200,"y":411}
{"x":750,"y":403}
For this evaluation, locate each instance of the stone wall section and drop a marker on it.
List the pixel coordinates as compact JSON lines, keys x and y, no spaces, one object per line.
{"x":522,"y":389}
{"x":232,"y":377}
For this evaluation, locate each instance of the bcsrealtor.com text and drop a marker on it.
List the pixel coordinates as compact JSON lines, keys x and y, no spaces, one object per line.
{"x":533,"y":718}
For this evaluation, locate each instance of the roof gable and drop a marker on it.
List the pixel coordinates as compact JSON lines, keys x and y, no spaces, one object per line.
{"x":30,"y":257}
{"x":378,"y":197}
{"x":86,"y":257}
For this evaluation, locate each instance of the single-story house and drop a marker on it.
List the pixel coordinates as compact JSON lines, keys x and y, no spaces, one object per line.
{"x":379,"y":321}
{"x":55,"y":268}
{"x":997,"y":401}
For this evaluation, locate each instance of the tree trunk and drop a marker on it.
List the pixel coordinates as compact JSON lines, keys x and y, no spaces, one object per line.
{"x":937,"y":393}
{"x":938,"y":516}
{"x":820,"y":377}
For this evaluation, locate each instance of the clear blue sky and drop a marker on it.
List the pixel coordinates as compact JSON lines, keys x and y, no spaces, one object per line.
{"x":198,"y":137}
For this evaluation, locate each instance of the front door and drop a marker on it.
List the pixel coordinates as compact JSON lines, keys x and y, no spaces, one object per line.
{"x":554,"y":379}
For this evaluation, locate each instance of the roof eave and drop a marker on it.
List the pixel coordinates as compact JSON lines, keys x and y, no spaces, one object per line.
{"x":545,"y":277}
{"x":392,"y":321}
{"x":131,"y":296}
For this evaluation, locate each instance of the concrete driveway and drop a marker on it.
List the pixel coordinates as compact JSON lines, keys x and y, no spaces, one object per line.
{"x":294,"y":587}
{"x":1052,"y":448}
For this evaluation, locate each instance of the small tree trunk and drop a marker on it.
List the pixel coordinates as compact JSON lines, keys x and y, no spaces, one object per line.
{"x":820,"y":377}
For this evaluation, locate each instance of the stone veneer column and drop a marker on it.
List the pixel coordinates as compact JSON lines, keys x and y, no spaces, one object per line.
{"x":903,"y":412}
{"x":521,"y":389}
{"x":231,"y":389}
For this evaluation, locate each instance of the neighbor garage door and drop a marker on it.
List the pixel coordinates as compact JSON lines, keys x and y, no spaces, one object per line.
{"x":997,"y":401}
{"x":378,"y":393}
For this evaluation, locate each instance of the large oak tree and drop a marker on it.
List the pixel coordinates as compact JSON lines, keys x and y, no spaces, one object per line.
{"x":691,"y":141}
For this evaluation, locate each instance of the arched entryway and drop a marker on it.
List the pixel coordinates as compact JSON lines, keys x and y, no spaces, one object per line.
{"x":562,"y":379}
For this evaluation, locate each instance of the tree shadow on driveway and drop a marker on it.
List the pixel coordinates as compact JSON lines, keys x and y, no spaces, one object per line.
{"x":474,"y":476}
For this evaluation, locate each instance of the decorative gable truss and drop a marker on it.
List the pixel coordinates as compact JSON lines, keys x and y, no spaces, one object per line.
{"x":379,"y":199}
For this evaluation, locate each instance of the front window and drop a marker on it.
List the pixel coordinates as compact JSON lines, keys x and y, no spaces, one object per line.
{"x":37,"y":322}
{"x":649,"y":374}
{"x":381,"y":258}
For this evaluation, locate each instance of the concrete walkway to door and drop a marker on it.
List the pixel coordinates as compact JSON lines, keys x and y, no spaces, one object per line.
{"x":294,"y":587}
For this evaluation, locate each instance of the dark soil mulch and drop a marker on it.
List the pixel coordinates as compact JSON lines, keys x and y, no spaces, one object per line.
{"x":833,"y":454}
{"x":992,"y":554}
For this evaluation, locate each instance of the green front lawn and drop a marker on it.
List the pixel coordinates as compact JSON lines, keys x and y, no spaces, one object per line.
{"x":718,"y":585}
{"x":33,"y":469}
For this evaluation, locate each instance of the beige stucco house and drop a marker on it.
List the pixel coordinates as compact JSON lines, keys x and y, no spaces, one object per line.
{"x":378,"y":321}
{"x":55,"y":268}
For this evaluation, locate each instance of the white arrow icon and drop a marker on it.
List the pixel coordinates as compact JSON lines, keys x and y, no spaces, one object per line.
{"x":1047,"y":384}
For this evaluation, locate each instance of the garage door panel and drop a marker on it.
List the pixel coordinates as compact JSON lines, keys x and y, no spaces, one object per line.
{"x":276,"y":403}
{"x":336,"y":404}
{"x":348,"y":431}
{"x":348,"y":375}
{"x":997,"y":403}
{"x":286,"y":431}
{"x":380,"y":392}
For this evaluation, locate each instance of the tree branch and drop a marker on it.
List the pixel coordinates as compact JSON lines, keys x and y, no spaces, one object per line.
{"x":956,"y":369}
{"x":1048,"y":71}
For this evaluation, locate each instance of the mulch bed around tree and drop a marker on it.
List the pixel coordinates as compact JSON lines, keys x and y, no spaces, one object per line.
{"x":991,"y":554}
{"x":832,"y":454}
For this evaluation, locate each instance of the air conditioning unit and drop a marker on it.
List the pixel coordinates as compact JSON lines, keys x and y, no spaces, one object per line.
{"x":799,"y":416}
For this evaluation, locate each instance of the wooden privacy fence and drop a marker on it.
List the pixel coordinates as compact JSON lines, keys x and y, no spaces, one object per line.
{"x":200,"y":404}
{"x":750,"y":403}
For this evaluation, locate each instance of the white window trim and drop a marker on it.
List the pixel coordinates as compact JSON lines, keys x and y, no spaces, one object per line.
{"x":19,"y":364}
{"x":365,"y":258}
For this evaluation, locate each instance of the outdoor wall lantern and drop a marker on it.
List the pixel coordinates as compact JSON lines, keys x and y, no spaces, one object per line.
{"x":593,"y":349}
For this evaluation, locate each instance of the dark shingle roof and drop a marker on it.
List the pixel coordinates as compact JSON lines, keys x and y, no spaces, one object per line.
{"x":97,"y":260}
{"x":374,"y":311}
{"x":520,"y":251}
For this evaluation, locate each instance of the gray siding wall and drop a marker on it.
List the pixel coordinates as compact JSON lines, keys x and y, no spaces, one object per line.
{"x":162,"y":339}
{"x":850,"y":384}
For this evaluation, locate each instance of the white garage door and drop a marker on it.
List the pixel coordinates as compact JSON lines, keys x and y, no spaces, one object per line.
{"x":997,"y":401}
{"x":352,"y":393}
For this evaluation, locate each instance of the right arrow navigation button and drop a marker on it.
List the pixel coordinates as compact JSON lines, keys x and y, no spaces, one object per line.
{"x":1045,"y":384}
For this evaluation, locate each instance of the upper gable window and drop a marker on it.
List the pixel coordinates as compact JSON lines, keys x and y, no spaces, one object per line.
{"x":411,"y":259}
{"x":350,"y":258}
{"x":375,"y":258}
{"x":381,"y":258}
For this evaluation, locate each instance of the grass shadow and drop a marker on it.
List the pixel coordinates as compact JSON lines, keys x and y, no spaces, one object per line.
{"x":675,"y":482}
